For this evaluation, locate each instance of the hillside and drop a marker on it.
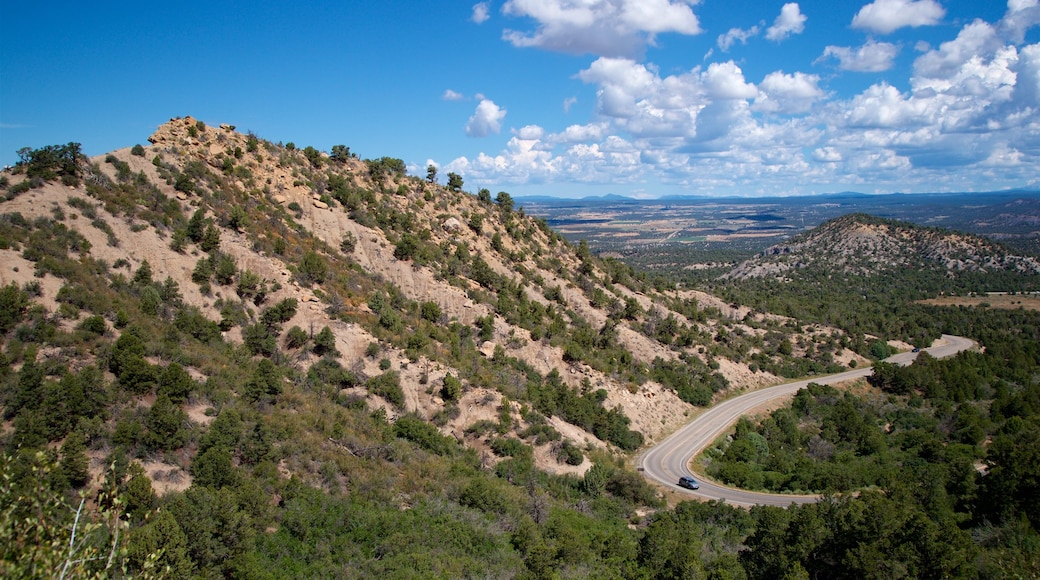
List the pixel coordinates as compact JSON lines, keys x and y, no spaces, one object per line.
{"x":260,"y":360}
{"x":401,"y":269}
{"x":863,"y":245}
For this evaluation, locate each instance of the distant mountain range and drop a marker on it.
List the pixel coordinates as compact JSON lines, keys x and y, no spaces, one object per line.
{"x":616,"y":198}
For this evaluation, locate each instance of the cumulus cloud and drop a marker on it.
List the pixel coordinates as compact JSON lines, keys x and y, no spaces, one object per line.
{"x":871,"y":57}
{"x":791,"y":21}
{"x":886,"y":16}
{"x":580,"y":133}
{"x":568,"y":103}
{"x":827,"y":155}
{"x":1021,"y":16}
{"x":487,"y":119}
{"x":725,"y":81}
{"x":529,"y":132}
{"x":450,"y":95}
{"x":725,"y":41}
{"x":967,"y":117}
{"x":788,"y":93}
{"x":601,"y":27}
{"x":481,"y":13}
{"x":622,"y":82}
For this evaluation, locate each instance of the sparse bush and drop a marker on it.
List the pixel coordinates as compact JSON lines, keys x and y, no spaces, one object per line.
{"x":137,"y":150}
{"x":349,"y":243}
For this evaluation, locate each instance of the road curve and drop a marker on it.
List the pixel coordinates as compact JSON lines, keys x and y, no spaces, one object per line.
{"x":669,"y":459}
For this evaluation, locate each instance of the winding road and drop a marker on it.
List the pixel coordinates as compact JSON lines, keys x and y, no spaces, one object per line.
{"x":669,"y":459}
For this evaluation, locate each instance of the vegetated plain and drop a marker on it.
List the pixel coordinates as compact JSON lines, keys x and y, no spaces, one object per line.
{"x":690,"y":231}
{"x":252,"y":359}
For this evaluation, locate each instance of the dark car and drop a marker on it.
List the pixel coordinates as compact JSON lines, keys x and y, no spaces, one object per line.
{"x":916,"y":349}
{"x":689,"y":483}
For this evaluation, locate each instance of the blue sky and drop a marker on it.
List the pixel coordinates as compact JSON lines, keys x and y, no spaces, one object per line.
{"x":558,"y":97}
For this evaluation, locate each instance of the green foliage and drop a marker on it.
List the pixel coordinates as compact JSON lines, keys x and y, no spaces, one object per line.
{"x":312,"y":269}
{"x":279,"y":314}
{"x":476,"y":222}
{"x":175,"y":383}
{"x":259,"y":339}
{"x":380,"y":169}
{"x":340,"y":153}
{"x":504,"y":202}
{"x":454,"y":182}
{"x":424,"y":435}
{"x":265,"y":383}
{"x":325,"y":342}
{"x":75,"y":465}
{"x":349,"y":243}
{"x":13,"y":305}
{"x":407,"y":247}
{"x":451,"y":390}
{"x":52,"y":161}
{"x":313,"y":156}
{"x":43,"y":535}
{"x":388,"y":386}
{"x":210,"y":239}
{"x":166,"y":424}
{"x":296,"y":338}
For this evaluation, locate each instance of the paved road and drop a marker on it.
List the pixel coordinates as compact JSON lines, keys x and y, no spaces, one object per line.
{"x":669,"y":459}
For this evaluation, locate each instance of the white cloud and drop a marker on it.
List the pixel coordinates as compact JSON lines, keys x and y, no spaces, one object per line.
{"x":726,"y":81}
{"x":450,"y":95}
{"x":568,"y":103}
{"x":886,"y":16}
{"x":977,"y":38}
{"x":529,"y":132}
{"x":788,"y":93}
{"x":480,"y":13}
{"x":1021,"y":16}
{"x":725,"y":41}
{"x":882,"y":105}
{"x":871,"y":57}
{"x":622,"y":81}
{"x":1027,"y":87}
{"x":967,"y":118}
{"x":1004,"y":156}
{"x":790,"y":21}
{"x":601,"y":27}
{"x":827,"y":155}
{"x":487,"y":119}
{"x":580,"y":133}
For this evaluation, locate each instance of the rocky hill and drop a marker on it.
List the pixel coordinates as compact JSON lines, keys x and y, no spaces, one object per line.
{"x":863,"y":245}
{"x":434,"y":302}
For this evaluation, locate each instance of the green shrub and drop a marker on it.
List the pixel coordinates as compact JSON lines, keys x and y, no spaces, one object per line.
{"x":425,"y":435}
{"x":325,"y":342}
{"x":452,"y":388}
{"x":312,"y":269}
{"x":388,"y":386}
{"x":94,"y":325}
{"x":296,"y":338}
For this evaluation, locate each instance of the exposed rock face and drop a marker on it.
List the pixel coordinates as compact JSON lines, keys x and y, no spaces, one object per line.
{"x":452,"y":225}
